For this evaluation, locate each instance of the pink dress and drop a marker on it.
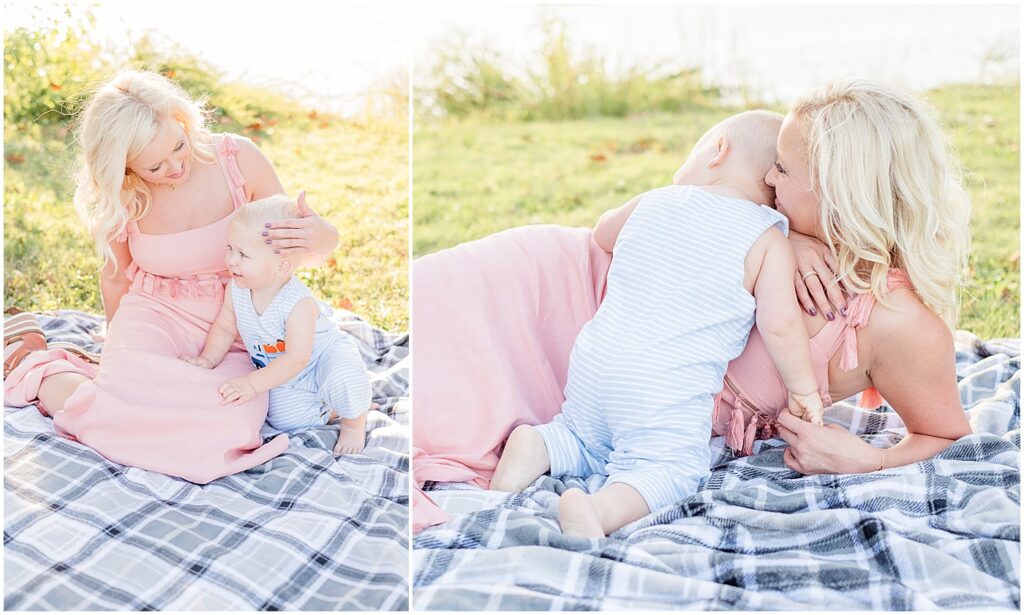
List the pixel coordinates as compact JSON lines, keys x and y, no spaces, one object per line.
{"x":144,"y":406}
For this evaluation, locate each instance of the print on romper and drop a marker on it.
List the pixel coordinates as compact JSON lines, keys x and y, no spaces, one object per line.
{"x":262,"y":354}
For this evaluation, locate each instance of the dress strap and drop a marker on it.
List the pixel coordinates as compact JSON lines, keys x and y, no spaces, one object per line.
{"x":226,"y":150}
{"x":857,"y":316}
{"x":131,"y":227}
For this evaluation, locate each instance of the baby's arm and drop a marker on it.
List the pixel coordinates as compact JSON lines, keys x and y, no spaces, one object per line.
{"x":781,"y":326}
{"x":299,"y":331}
{"x":218,"y":341}
{"x":606,"y":232}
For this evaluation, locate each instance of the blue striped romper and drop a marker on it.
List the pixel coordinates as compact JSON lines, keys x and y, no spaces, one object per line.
{"x":335,"y":377}
{"x":644,"y":372}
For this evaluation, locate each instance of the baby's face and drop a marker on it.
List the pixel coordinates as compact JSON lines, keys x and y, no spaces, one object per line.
{"x":251,"y":261}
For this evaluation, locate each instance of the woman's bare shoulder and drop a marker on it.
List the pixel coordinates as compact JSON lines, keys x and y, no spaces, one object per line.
{"x":906,"y":325}
{"x":256,"y":168}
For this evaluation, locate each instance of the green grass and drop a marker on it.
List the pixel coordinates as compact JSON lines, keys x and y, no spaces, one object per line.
{"x":355,"y":175}
{"x":473,"y":178}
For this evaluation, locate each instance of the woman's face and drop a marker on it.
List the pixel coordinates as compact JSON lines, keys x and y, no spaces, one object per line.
{"x":166,"y":159}
{"x":791,"y":178}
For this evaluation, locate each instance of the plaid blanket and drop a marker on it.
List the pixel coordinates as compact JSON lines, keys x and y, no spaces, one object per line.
{"x":940,"y":534}
{"x":306,"y":531}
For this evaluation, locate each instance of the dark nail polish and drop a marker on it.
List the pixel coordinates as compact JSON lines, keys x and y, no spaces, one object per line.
{"x":830,"y":316}
{"x":265,"y":233}
{"x":812,"y":312}
{"x":276,"y":251}
{"x":842,"y":310}
{"x":267,"y":240}
{"x":267,"y":225}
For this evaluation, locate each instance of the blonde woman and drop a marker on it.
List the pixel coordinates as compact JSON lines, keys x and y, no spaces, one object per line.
{"x":871,"y":193}
{"x":873,"y":197}
{"x":157,"y":191}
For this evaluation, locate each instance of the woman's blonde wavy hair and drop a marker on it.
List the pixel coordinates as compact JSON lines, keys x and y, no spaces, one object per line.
{"x":120,"y":120}
{"x":890,"y":191}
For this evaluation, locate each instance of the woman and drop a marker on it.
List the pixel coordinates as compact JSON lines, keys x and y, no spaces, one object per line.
{"x":156,"y":190}
{"x":870,"y":190}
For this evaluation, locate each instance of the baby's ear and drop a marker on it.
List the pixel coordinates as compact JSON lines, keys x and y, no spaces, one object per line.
{"x":285,"y":266}
{"x":721,"y":152}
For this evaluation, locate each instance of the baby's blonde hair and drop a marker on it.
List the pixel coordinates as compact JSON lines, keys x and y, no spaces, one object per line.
{"x":890,"y":192}
{"x":121,"y":119}
{"x":275,"y":207}
{"x":752,"y":134}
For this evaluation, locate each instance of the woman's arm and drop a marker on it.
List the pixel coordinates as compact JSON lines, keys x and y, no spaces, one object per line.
{"x":311,"y":238}
{"x":912,"y":366}
{"x":114,"y":285}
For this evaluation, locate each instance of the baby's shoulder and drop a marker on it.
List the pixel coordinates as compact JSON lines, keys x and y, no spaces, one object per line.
{"x":305,"y":307}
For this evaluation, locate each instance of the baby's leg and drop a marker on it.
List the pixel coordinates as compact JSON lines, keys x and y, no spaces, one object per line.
{"x":662,"y":452}
{"x":293,"y":408}
{"x":531,"y":451}
{"x":524,"y":459}
{"x":352,"y":437}
{"x":345,"y":389}
{"x":597,"y":515}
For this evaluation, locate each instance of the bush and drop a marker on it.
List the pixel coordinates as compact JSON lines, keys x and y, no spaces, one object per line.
{"x":51,"y":70}
{"x":466,"y":80}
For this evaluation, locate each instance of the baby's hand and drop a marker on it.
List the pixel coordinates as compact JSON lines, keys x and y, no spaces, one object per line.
{"x":807,"y":407}
{"x":199,"y":361}
{"x":237,"y":391}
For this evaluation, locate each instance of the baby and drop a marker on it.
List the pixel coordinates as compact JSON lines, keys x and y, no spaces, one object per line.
{"x":691,"y":263}
{"x":312,"y":371}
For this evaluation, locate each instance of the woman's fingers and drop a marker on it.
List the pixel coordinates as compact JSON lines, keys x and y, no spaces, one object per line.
{"x":290,"y":243}
{"x":803,"y":297}
{"x":789,"y":458}
{"x":304,"y":210}
{"x":787,"y":435}
{"x":288,"y":228}
{"x":830,"y":260}
{"x":295,"y":252}
{"x":835,"y":295}
{"x":817,"y":292}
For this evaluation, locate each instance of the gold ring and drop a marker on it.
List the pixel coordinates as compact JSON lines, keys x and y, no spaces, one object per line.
{"x":804,"y":277}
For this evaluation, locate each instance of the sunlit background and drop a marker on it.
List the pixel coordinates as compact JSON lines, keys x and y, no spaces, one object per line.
{"x":337,"y":56}
{"x":769,"y":52}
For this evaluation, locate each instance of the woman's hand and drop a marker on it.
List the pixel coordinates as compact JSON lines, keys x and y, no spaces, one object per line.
{"x":815,"y":277}
{"x":310,"y":239}
{"x":825,"y":449}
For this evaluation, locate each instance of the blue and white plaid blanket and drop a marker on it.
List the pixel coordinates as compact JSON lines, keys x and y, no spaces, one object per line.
{"x":305,"y":531}
{"x":940,"y":534}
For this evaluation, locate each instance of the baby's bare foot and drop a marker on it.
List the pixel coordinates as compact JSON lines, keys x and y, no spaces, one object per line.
{"x":524,"y":459}
{"x":350,"y":442}
{"x":577,"y":515}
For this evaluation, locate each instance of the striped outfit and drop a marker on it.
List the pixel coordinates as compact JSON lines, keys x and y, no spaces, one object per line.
{"x":644,"y":372}
{"x":335,"y":377}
